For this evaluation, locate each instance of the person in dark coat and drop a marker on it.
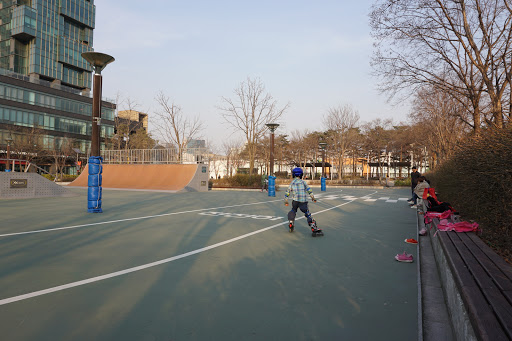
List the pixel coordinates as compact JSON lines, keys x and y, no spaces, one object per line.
{"x":415,"y":175}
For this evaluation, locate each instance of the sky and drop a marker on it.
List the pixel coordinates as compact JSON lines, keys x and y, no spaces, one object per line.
{"x":312,"y":55}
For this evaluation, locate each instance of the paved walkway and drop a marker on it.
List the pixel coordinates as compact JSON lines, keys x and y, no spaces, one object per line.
{"x":207,"y":266}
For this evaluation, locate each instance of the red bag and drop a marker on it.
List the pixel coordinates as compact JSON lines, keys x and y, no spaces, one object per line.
{"x":429,"y":192}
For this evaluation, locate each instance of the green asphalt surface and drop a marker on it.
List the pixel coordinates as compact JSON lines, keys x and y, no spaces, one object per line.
{"x":230,"y":269}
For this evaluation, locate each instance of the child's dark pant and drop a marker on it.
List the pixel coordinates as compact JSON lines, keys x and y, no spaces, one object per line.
{"x":303,"y":206}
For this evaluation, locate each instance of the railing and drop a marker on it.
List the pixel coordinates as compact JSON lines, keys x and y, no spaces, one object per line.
{"x":30,"y":164}
{"x":154,"y":156}
{"x":13,"y":162}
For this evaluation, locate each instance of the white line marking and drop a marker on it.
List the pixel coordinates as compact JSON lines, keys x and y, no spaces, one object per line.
{"x":403,"y":199}
{"x":384,"y":198}
{"x":371,"y":200}
{"x":391,"y":200}
{"x":144,"y":266}
{"x":127,"y":219}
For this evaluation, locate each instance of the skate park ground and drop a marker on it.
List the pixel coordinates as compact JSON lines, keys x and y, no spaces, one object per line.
{"x":219,"y":265}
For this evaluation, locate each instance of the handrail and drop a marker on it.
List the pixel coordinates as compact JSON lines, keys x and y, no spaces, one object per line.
{"x":31,"y":164}
{"x":27,"y":163}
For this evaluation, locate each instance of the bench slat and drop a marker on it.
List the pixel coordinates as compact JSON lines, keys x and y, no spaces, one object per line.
{"x":505,"y":267}
{"x":496,"y":272}
{"x":502,"y":308}
{"x":508,"y":294}
{"x":457,"y":265}
{"x":498,"y":302}
{"x":484,"y":322}
{"x":480,"y":313}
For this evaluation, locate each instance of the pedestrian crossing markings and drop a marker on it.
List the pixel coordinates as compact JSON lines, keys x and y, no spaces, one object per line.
{"x":365,"y":198}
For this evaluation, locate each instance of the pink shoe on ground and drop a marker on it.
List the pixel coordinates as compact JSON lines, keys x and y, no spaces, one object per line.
{"x":404,"y":257}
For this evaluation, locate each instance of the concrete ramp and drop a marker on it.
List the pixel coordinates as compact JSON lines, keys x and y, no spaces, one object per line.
{"x":174,"y":177}
{"x":29,"y":185}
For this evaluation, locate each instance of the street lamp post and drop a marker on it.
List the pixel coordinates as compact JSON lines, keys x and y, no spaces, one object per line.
{"x":9,"y":141}
{"x":272,"y":127}
{"x":322,"y":178}
{"x":271,"y":177}
{"x":322,"y":146}
{"x":98,"y":62}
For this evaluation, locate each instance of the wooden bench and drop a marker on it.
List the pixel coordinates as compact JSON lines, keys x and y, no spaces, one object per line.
{"x":483,"y":281}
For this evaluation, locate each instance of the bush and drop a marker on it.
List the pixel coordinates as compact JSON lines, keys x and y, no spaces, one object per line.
{"x":246,"y":180}
{"x":48,"y":176}
{"x":403,"y":182}
{"x":239,"y":180}
{"x":282,"y":175}
{"x":476,"y":182}
{"x":64,"y":178}
{"x":68,"y":178}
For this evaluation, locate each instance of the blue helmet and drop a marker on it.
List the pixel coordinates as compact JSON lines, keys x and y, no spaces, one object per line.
{"x":297,"y":172}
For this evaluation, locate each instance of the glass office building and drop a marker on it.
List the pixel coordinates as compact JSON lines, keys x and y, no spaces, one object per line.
{"x":44,"y":81}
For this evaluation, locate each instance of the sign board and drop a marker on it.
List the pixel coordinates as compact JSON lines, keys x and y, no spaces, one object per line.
{"x":18,"y":183}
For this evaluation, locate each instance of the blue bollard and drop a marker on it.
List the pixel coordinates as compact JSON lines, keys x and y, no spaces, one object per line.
{"x":322,"y":184}
{"x":94,"y":183}
{"x":271,"y":186}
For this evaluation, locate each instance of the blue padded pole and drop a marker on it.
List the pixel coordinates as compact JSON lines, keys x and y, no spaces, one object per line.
{"x":94,"y":183}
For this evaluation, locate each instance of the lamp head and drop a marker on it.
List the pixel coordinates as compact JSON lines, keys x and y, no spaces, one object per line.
{"x":98,"y":60}
{"x":272,"y":126}
{"x":9,"y":138}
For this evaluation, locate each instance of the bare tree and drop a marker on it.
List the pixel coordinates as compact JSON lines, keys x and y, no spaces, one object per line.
{"x":297,"y":151}
{"x":118,"y":140}
{"x":282,"y":151}
{"x":28,"y":142}
{"x":339,"y":121}
{"x":60,"y":151}
{"x":461,"y":47}
{"x":174,"y":127}
{"x":249,"y":111}
{"x":230,"y":149}
{"x":438,"y":116}
{"x":378,"y":135}
{"x":141,"y":140}
{"x":310,"y":144}
{"x":129,"y":133}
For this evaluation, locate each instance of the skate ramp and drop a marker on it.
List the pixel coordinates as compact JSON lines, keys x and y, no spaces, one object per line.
{"x":20,"y":185}
{"x":182,"y":177}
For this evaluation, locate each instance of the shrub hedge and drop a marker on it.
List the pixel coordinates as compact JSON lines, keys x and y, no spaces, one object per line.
{"x":477,"y":181}
{"x":239,"y":180}
{"x":48,"y":176}
{"x":65,"y":177}
{"x":403,"y":182}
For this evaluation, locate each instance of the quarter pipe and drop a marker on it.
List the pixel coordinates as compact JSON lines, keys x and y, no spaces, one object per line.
{"x":173,"y":177}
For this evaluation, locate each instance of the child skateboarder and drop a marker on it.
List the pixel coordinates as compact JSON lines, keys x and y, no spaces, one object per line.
{"x":298,"y":190}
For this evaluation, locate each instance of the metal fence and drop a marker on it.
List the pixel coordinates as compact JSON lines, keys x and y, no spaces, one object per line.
{"x":154,"y":156}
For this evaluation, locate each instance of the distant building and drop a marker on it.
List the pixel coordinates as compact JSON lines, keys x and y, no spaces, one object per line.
{"x":44,"y":81}
{"x":135,"y":120}
{"x":194,"y":144}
